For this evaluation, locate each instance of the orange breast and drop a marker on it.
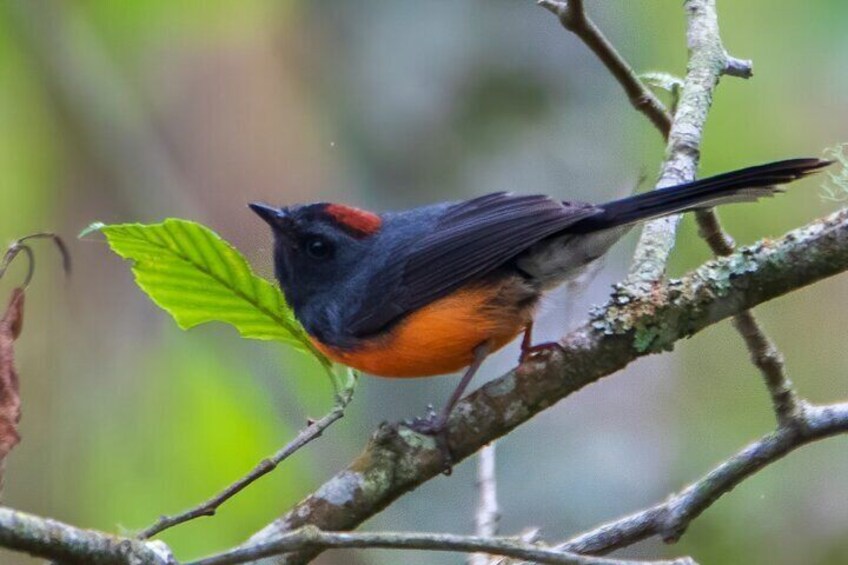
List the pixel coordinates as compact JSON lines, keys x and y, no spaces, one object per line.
{"x":439,"y":338}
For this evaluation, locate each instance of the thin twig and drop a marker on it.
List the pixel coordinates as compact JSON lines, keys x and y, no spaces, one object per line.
{"x":740,"y":68}
{"x":768,"y":359}
{"x":310,"y":537}
{"x":488,"y":515}
{"x":209,"y":507}
{"x":670,"y":519}
{"x":573,"y":17}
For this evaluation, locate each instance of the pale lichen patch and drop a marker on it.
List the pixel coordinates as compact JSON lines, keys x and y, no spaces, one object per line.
{"x":502,"y":386}
{"x":651,"y":313}
{"x":415,"y":440}
{"x":376,"y":481}
{"x":516,"y":411}
{"x":342,"y":490}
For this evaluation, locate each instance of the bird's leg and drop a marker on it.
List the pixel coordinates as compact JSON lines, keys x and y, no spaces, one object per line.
{"x":528,"y":349}
{"x":437,"y":426}
{"x":527,"y":339}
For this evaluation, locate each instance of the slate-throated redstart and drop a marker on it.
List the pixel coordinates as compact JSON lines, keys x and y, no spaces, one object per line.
{"x":435,"y":289}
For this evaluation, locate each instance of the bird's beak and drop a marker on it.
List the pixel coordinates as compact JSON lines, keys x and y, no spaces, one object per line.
{"x":279,"y":219}
{"x":270,"y":214}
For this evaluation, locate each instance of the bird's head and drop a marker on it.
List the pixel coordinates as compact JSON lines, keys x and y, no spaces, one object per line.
{"x":317,"y":247}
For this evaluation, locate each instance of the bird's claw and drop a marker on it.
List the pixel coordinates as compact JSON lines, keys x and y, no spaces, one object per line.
{"x":540,"y":350}
{"x":435,"y":426}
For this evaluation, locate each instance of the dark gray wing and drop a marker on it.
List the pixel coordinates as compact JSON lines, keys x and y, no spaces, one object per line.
{"x":472,"y":239}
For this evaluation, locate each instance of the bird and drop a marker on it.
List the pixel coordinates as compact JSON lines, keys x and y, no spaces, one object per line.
{"x":436,"y":289}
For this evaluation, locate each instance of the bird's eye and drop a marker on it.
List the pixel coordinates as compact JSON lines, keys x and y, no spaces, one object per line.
{"x":318,"y":248}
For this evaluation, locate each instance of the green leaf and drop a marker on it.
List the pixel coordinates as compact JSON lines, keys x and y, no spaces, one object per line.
{"x":197,"y":277}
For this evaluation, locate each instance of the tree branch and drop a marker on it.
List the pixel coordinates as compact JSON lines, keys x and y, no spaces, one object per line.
{"x":51,"y":539}
{"x":311,"y":538}
{"x":670,"y":519}
{"x":709,"y":56}
{"x":208,"y":508}
{"x":740,"y":68}
{"x":631,"y":325}
{"x":708,"y":60}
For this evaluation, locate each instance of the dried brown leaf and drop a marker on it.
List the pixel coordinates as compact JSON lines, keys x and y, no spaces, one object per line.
{"x":10,"y":401}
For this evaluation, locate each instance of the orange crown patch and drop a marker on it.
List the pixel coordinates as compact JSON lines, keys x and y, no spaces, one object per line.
{"x":360,"y":223}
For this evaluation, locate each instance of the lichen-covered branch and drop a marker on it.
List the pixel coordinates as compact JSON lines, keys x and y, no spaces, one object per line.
{"x":631,"y":325}
{"x":310,"y":537}
{"x":708,"y":61}
{"x":62,"y":543}
{"x":670,"y":519}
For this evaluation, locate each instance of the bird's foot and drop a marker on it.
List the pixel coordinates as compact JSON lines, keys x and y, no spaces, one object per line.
{"x":435,"y":426}
{"x":540,"y":350}
{"x":423,"y":424}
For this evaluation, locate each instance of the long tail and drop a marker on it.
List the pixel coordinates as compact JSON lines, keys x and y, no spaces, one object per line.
{"x":744,"y":185}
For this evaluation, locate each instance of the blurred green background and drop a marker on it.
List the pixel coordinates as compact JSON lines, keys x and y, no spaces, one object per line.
{"x":138,"y":110}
